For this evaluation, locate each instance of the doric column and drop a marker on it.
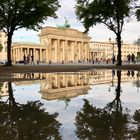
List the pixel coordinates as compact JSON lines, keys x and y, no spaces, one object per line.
{"x":72,"y":51}
{"x":65,"y":50}
{"x":58,"y":51}
{"x":40,"y":55}
{"x":21,"y":54}
{"x":34,"y":54}
{"x":75,"y":52}
{"x":14,"y":55}
{"x":28,"y":51}
{"x":80,"y":50}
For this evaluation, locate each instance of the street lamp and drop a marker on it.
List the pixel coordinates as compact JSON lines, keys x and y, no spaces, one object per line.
{"x":113,"y":55}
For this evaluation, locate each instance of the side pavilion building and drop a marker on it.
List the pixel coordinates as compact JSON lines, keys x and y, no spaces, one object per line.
{"x":19,"y":50}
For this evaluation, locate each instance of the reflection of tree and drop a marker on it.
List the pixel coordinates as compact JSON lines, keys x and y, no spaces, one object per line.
{"x":115,"y":105}
{"x":136,"y":117}
{"x":119,"y":118}
{"x":27,"y":121}
{"x":108,"y":123}
{"x":92,"y":123}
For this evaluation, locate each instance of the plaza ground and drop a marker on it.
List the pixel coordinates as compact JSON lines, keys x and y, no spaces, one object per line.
{"x":70,"y":67}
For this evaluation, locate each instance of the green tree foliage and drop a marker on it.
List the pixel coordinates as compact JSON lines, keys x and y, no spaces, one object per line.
{"x":111,"y":13}
{"x":138,"y":13}
{"x":30,"y":14}
{"x":28,"y":121}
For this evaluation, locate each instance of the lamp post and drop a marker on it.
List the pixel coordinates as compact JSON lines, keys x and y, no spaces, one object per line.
{"x":113,"y":48}
{"x":113,"y":45}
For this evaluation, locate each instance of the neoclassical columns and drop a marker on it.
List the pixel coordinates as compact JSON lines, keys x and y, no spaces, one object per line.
{"x":61,"y":50}
{"x":19,"y":51}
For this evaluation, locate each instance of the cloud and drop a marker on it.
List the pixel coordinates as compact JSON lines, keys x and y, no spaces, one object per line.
{"x":98,"y":33}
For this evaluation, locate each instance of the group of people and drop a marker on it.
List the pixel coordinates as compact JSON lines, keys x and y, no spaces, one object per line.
{"x":130,"y":58}
{"x":28,"y":59}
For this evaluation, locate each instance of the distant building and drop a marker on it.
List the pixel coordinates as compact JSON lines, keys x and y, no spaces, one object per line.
{"x":3,"y":50}
{"x":105,"y":50}
{"x":66,"y":45}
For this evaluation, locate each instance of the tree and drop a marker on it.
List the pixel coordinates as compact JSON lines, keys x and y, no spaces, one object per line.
{"x":138,"y":13}
{"x":111,"y":13}
{"x":29,"y":14}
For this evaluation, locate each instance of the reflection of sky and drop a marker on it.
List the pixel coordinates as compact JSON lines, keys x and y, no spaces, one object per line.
{"x":98,"y":95}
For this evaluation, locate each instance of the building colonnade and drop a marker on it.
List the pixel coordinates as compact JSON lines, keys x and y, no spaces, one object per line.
{"x":27,"y":50}
{"x":67,"y":51}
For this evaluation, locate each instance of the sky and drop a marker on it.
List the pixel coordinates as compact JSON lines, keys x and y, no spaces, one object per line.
{"x":131,"y":30}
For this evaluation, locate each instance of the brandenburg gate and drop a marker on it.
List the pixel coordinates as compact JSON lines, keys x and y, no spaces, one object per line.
{"x":57,"y":45}
{"x":65,"y":44}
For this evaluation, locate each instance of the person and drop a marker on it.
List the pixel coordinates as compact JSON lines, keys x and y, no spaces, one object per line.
{"x":32,"y":60}
{"x":132,"y":58}
{"x":113,"y":59}
{"x":28,"y":58}
{"x":128,"y":58}
{"x":24,"y":59}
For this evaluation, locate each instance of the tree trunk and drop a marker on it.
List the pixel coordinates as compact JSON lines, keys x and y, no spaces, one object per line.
{"x":11,"y":96}
{"x":119,"y":56}
{"x":9,"y":43}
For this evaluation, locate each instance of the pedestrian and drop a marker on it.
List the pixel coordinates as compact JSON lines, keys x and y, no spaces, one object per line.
{"x":128,"y":58}
{"x":28,"y":58}
{"x":113,"y":59}
{"x":24,"y":59}
{"x":132,"y":58}
{"x":32,"y":60}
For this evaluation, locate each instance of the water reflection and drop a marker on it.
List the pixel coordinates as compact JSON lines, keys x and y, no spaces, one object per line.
{"x":111,"y":122}
{"x":63,"y":86}
{"x":26,"y":121}
{"x":73,"y":97}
